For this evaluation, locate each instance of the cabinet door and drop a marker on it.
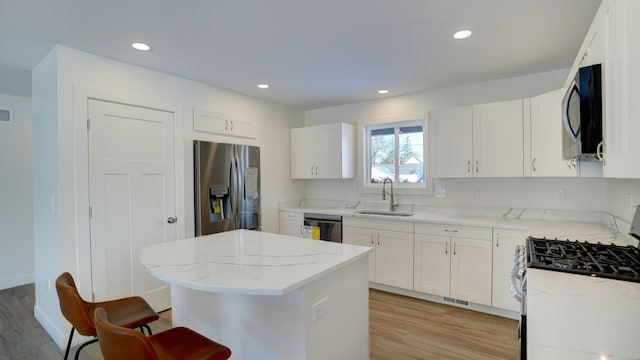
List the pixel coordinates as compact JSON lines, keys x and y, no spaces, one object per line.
{"x":328,"y":153}
{"x":363,"y":237}
{"x":621,"y":76}
{"x":498,"y":143}
{"x":546,"y":136}
{"x":239,"y":126}
{"x":471,"y":270}
{"x":504,"y":246}
{"x":394,"y":259}
{"x":302,"y":153}
{"x":291,"y":227}
{"x":432,"y":264}
{"x":453,"y":141}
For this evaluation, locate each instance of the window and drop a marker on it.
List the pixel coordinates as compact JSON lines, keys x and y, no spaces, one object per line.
{"x":396,"y":151}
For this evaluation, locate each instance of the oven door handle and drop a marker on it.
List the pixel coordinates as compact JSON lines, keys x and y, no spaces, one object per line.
{"x":515,"y":289}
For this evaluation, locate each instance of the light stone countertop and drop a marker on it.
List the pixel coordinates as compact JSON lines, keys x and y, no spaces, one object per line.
{"x":561,"y":224}
{"x":247,"y":262}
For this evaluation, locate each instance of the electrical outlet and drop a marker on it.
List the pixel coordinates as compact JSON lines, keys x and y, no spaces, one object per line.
{"x":320,"y":309}
{"x":441,"y":193}
{"x":560,"y":195}
{"x":475,"y":193}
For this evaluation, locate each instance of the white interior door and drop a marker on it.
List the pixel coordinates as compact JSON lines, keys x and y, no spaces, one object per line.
{"x":132,"y":195}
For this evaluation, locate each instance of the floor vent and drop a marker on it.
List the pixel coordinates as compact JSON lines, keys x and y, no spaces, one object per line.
{"x":455,"y":301}
{"x":6,"y":115}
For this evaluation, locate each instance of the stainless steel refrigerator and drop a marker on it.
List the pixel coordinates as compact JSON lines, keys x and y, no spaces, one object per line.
{"x":227,"y":187}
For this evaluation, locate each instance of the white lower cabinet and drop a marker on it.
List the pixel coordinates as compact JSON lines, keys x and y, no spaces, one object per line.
{"x":504,"y":246}
{"x":291,"y":223}
{"x":391,"y":262}
{"x":453,"y":261}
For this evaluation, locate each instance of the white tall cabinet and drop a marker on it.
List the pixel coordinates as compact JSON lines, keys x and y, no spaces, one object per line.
{"x":453,"y":261}
{"x":391,"y":261}
{"x":323,"y":152}
{"x":620,"y":27}
{"x":479,"y":141}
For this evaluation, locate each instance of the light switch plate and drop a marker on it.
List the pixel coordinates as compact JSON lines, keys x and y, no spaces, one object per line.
{"x":441,"y":193}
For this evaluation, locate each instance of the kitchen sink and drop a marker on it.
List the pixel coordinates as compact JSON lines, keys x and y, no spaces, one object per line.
{"x":383,"y":212}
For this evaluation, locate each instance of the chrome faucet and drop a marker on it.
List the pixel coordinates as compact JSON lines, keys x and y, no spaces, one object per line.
{"x":392,"y":204}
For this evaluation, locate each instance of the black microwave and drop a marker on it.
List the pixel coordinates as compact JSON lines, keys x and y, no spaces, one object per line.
{"x":582,"y":116}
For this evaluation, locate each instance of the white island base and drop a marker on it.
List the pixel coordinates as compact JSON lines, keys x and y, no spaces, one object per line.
{"x":282,"y":327}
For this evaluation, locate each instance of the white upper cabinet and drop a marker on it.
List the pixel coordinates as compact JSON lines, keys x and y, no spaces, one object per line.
{"x":480,"y":141}
{"x":620,"y":27}
{"x":546,"y":137}
{"x":452,"y":135}
{"x":222,"y":123}
{"x":323,"y":152}
{"x":498,"y":139}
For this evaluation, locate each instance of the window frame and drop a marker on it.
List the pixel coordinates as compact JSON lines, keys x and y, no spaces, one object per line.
{"x":364,"y":156}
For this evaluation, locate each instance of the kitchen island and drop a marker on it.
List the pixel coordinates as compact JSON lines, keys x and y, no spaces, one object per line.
{"x":268,"y":296}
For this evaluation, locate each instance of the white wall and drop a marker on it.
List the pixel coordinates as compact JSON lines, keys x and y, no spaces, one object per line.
{"x":16,"y":194}
{"x":581,"y":193}
{"x":622,"y":197}
{"x":61,"y":85}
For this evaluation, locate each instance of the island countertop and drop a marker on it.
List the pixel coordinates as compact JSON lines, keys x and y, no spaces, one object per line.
{"x":247,"y":262}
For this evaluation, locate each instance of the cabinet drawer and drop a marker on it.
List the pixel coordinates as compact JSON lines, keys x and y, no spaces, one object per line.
{"x":403,"y":226}
{"x":292,"y":215}
{"x":460,"y":231}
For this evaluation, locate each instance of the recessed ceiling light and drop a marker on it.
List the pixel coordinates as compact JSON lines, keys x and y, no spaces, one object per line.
{"x":263,"y":86}
{"x":462,"y":34}
{"x":383,"y":91}
{"x":141,"y":46}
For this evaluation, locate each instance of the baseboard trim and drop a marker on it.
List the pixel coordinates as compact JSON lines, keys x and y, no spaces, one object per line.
{"x":58,"y":335}
{"x":16,"y":281}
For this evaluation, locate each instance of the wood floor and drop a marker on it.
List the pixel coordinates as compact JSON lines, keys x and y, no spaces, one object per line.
{"x":400,"y":328}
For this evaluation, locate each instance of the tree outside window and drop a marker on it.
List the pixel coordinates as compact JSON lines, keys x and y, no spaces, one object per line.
{"x":396,"y":152}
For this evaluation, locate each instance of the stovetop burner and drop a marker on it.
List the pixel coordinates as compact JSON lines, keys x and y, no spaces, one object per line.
{"x":607,"y":261}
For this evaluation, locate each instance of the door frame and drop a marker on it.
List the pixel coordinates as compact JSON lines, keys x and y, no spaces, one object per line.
{"x":81,"y":95}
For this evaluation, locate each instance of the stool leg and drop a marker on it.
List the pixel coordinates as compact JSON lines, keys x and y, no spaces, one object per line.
{"x":66,"y":353}
{"x":148,"y":329}
{"x":82,"y":347}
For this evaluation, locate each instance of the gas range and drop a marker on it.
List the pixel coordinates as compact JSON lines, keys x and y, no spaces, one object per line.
{"x":583,"y":258}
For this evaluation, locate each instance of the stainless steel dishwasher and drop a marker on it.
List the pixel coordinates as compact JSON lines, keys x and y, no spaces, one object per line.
{"x":323,"y":227}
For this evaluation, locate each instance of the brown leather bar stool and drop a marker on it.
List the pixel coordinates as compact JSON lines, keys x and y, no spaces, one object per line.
{"x":131,"y":312}
{"x":180,"y":343}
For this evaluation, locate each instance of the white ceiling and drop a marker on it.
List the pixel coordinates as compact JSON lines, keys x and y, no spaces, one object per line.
{"x":314,"y":53}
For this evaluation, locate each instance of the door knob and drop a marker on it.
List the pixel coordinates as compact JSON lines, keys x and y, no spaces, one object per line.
{"x":172,"y":220}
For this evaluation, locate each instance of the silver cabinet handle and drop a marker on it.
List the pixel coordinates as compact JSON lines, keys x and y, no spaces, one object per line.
{"x":449,"y":230}
{"x":226,"y":124}
{"x":477,"y":167}
{"x":172,"y":220}
{"x":378,"y":239}
{"x":372,"y":240}
{"x":312,"y":170}
{"x":231,"y":125}
{"x":301,"y":232}
{"x":446,"y":247}
{"x":469,"y":166}
{"x":454,"y":248}
{"x":498,"y":240}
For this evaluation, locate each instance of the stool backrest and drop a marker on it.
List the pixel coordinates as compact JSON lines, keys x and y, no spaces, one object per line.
{"x":73,"y":306}
{"x":117,"y":342}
